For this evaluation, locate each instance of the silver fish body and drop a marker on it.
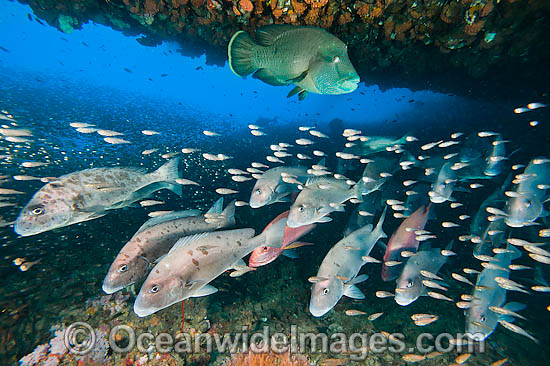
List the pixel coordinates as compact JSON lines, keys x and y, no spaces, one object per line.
{"x":89,"y":194}
{"x":155,"y":238}
{"x":271,"y":188}
{"x":339,"y":269}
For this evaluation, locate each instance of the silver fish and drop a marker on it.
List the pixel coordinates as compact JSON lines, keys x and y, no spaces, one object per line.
{"x":91,"y":193}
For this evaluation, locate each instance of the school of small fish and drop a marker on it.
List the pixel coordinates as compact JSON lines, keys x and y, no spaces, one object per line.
{"x":395,"y":188}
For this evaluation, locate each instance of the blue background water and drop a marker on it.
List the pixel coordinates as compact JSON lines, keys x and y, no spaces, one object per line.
{"x":98,"y":56}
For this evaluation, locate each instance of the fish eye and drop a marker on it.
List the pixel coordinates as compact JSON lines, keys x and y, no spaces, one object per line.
{"x":482,"y":318}
{"x":123,"y":268}
{"x":335,"y":59}
{"x":301,"y":208}
{"x":37,"y":211}
{"x":154,"y":289}
{"x":264,"y":249}
{"x":410,"y":284}
{"x":325,"y":291}
{"x":258,"y":191}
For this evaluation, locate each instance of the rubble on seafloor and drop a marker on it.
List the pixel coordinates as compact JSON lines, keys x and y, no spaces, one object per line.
{"x":413,"y":41}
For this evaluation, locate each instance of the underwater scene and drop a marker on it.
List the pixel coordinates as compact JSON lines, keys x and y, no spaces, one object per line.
{"x":274,"y":182}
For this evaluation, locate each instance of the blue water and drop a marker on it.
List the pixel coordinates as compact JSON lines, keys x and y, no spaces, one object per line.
{"x":97,"y":75}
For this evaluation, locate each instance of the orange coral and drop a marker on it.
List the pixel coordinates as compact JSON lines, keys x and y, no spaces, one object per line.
{"x":363,"y":11}
{"x":474,"y":28}
{"x":298,"y":7}
{"x":259,"y":8}
{"x":451,"y":13}
{"x":388,"y":28}
{"x":312,"y":16}
{"x":277,"y":13}
{"x":177,"y":3}
{"x":246,"y":5}
{"x":403,"y":27}
{"x":487,"y":9}
{"x":236,"y":11}
{"x":151,"y":7}
{"x":198,"y":3}
{"x":261,"y":359}
{"x":414,"y":14}
{"x":316,"y":3}
{"x":345,"y":18}
{"x":376,"y":12}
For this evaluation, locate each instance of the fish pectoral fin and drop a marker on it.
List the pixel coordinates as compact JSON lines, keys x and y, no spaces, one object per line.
{"x":240,"y":270}
{"x":462,"y":189}
{"x":239,"y":265}
{"x":514,"y":306}
{"x":95,"y":215}
{"x":353,"y":292}
{"x":296,"y":244}
{"x":294,"y":91}
{"x":302,"y":95}
{"x":205,"y":291}
{"x":290,"y":253}
{"x":285,"y":197}
{"x":324,"y":219}
{"x":298,"y":78}
{"x":359,"y":279}
{"x":267,"y":77}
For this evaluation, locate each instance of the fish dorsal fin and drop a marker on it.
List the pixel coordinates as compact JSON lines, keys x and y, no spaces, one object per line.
{"x":268,"y":35}
{"x":168,"y":217}
{"x":217,"y":207}
{"x":186,"y":240}
{"x":314,"y":180}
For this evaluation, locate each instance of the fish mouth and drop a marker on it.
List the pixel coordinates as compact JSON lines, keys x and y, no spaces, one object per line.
{"x":478,"y":337}
{"x":317,"y":312}
{"x":140,"y":310}
{"x":349,"y":84}
{"x":110,"y":289}
{"x":254,"y":204}
{"x":21,"y":230}
{"x":293,"y":224}
{"x":513,"y":223}
{"x":403,"y":301}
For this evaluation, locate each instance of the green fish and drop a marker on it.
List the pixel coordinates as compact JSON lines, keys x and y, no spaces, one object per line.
{"x":308,"y":57}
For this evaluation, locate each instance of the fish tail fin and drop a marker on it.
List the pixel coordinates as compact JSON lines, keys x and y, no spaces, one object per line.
{"x":361,"y":186}
{"x":229,"y":213}
{"x":515,"y":252}
{"x":378,"y":231}
{"x":240,"y":52}
{"x":168,"y":173}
